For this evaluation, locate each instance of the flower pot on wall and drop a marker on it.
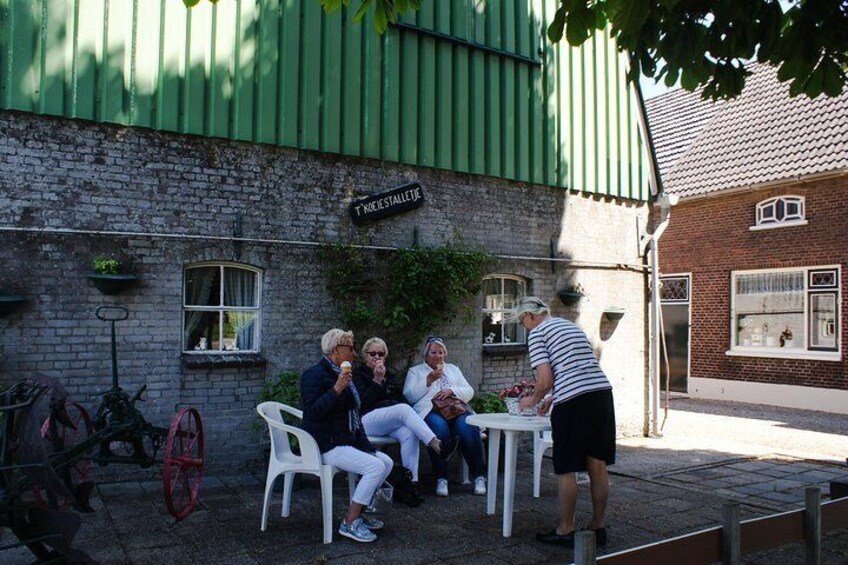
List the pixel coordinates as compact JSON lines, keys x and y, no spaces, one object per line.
{"x":112,"y":284}
{"x":569,"y":297}
{"x":614,"y":313}
{"x":9,"y":303}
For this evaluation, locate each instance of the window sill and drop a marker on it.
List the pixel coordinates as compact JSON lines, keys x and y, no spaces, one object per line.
{"x":223,"y":360}
{"x":789,"y":224}
{"x":779,"y":354}
{"x":513,"y":350}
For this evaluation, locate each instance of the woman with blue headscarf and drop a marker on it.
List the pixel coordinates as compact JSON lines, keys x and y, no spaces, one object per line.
{"x":435,"y":380}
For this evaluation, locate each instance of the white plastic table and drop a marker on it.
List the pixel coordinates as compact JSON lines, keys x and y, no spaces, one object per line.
{"x":510,"y":426}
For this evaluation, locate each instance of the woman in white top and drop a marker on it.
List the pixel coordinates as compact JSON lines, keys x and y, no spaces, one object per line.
{"x":435,"y":379}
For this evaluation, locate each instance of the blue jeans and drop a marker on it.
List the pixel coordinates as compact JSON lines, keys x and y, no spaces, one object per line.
{"x":469,"y":442}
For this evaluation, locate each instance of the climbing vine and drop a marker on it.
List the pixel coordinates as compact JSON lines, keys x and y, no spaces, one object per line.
{"x":402,"y":295}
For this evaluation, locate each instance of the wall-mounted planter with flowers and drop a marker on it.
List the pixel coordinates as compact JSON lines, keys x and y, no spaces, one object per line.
{"x":106,"y":276}
{"x":571,"y":295}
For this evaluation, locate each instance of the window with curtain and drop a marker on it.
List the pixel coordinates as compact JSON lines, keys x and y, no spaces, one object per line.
{"x":499,"y":294}
{"x":220,"y":308}
{"x":786,"y":310}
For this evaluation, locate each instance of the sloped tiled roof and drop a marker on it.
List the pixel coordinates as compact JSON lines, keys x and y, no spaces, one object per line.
{"x":762,"y":136}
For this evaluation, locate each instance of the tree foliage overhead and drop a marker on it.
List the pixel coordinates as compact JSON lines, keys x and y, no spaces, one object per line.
{"x":712,"y":43}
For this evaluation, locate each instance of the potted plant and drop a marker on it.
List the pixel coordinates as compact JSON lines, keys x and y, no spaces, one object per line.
{"x":513,"y":393}
{"x":571,"y":294}
{"x":106,"y":275}
{"x":488,"y":403}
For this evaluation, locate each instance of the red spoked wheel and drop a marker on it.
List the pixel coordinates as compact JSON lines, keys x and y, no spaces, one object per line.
{"x":183,"y":462}
{"x":60,"y":437}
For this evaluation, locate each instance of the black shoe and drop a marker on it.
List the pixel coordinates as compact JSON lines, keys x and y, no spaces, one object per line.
{"x":600,"y":537}
{"x":552,"y":537}
{"x":419,"y":498}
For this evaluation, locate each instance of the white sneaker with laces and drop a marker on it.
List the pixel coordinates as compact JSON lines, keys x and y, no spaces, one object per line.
{"x":480,"y":485}
{"x":372,"y":523}
{"x":357,"y":531}
{"x":442,"y":487}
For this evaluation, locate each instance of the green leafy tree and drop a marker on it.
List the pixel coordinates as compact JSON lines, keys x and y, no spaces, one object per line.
{"x":712,"y":44}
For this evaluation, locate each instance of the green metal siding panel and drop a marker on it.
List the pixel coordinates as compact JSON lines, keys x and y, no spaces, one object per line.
{"x":283,"y":72}
{"x":372,"y":94}
{"x":390,"y":119}
{"x":409,"y":89}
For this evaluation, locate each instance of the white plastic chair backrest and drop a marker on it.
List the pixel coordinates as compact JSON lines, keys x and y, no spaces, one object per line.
{"x":310,"y":455}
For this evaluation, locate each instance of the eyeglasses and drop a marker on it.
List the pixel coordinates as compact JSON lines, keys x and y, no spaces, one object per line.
{"x":377,"y":353}
{"x":345,"y":345}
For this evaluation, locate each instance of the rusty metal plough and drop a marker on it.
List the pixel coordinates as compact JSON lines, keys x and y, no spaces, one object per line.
{"x":46,"y":459}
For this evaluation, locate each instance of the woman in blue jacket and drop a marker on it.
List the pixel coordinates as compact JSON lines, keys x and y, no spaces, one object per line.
{"x":331,"y":414}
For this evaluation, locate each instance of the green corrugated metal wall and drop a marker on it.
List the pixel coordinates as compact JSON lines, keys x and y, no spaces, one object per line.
{"x":282,"y":72}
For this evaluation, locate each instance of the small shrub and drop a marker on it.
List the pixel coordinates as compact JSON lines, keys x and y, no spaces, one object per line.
{"x":284,"y":389}
{"x":488,"y":403}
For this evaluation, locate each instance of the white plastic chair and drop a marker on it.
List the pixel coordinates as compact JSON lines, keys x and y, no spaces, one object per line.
{"x":283,"y":462}
{"x":542,"y":442}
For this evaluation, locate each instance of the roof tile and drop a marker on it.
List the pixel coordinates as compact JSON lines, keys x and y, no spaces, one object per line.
{"x":762,"y":136}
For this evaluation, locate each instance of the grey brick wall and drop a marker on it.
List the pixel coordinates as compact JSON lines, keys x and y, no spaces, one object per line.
{"x":73,"y":190}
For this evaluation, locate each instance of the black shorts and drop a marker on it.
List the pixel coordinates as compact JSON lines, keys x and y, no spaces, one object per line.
{"x":583,"y":427}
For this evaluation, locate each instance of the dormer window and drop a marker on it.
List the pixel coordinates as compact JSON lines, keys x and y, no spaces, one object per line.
{"x":780,"y":211}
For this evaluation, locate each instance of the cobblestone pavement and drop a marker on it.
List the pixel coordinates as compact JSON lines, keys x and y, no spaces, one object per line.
{"x":711,"y":453}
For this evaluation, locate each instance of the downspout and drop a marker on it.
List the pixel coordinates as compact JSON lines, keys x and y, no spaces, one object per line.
{"x":650,"y":245}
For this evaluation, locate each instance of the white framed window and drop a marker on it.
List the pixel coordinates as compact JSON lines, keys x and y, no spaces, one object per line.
{"x":786,"y":312}
{"x":221,"y":308}
{"x":499,"y":294}
{"x":780,"y":211}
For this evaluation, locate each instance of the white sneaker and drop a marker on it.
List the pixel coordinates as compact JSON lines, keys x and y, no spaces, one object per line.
{"x":442,"y":487}
{"x":480,"y":485}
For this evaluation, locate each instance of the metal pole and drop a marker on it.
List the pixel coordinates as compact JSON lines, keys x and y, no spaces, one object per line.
{"x":584,"y":548}
{"x":812,"y":524}
{"x":114,"y":359}
{"x":731,"y":543}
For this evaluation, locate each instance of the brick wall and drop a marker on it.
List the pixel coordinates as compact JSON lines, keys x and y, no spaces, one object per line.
{"x":709,"y":237}
{"x":73,"y":190}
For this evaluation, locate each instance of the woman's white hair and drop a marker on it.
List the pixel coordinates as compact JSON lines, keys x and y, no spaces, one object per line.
{"x":433,"y":339}
{"x":371,"y":341}
{"x":334,"y":338}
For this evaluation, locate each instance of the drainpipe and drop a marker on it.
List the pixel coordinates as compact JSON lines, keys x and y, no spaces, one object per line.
{"x":650,"y":244}
{"x":666,"y":201}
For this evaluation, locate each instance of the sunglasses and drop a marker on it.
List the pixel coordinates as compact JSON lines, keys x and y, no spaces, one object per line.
{"x":377,"y":353}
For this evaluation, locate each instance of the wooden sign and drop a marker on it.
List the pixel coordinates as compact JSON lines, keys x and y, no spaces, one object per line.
{"x":395,"y":201}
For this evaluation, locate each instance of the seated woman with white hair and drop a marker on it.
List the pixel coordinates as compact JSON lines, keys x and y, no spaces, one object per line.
{"x":435,"y":380}
{"x":385,"y":411}
{"x":331,"y":413}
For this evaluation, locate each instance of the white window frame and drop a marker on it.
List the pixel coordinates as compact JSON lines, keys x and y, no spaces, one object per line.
{"x":502,"y":277}
{"x":767,"y":219}
{"x":806,"y":351}
{"x":221,"y":308}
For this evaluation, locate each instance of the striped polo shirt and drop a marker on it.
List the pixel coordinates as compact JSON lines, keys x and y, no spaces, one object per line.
{"x":566,"y":348}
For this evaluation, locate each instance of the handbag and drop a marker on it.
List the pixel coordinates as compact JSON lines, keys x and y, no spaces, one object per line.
{"x":450,"y":407}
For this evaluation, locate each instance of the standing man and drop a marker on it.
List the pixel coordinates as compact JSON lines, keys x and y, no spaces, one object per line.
{"x":582,"y":419}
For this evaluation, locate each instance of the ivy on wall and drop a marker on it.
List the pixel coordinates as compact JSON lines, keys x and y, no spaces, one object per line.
{"x":405,"y":294}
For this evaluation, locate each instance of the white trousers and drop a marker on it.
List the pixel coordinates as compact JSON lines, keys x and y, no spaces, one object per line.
{"x":373,"y":469}
{"x":404,"y":424}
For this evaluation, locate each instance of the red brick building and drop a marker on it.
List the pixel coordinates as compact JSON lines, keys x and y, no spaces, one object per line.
{"x":753,"y":260}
